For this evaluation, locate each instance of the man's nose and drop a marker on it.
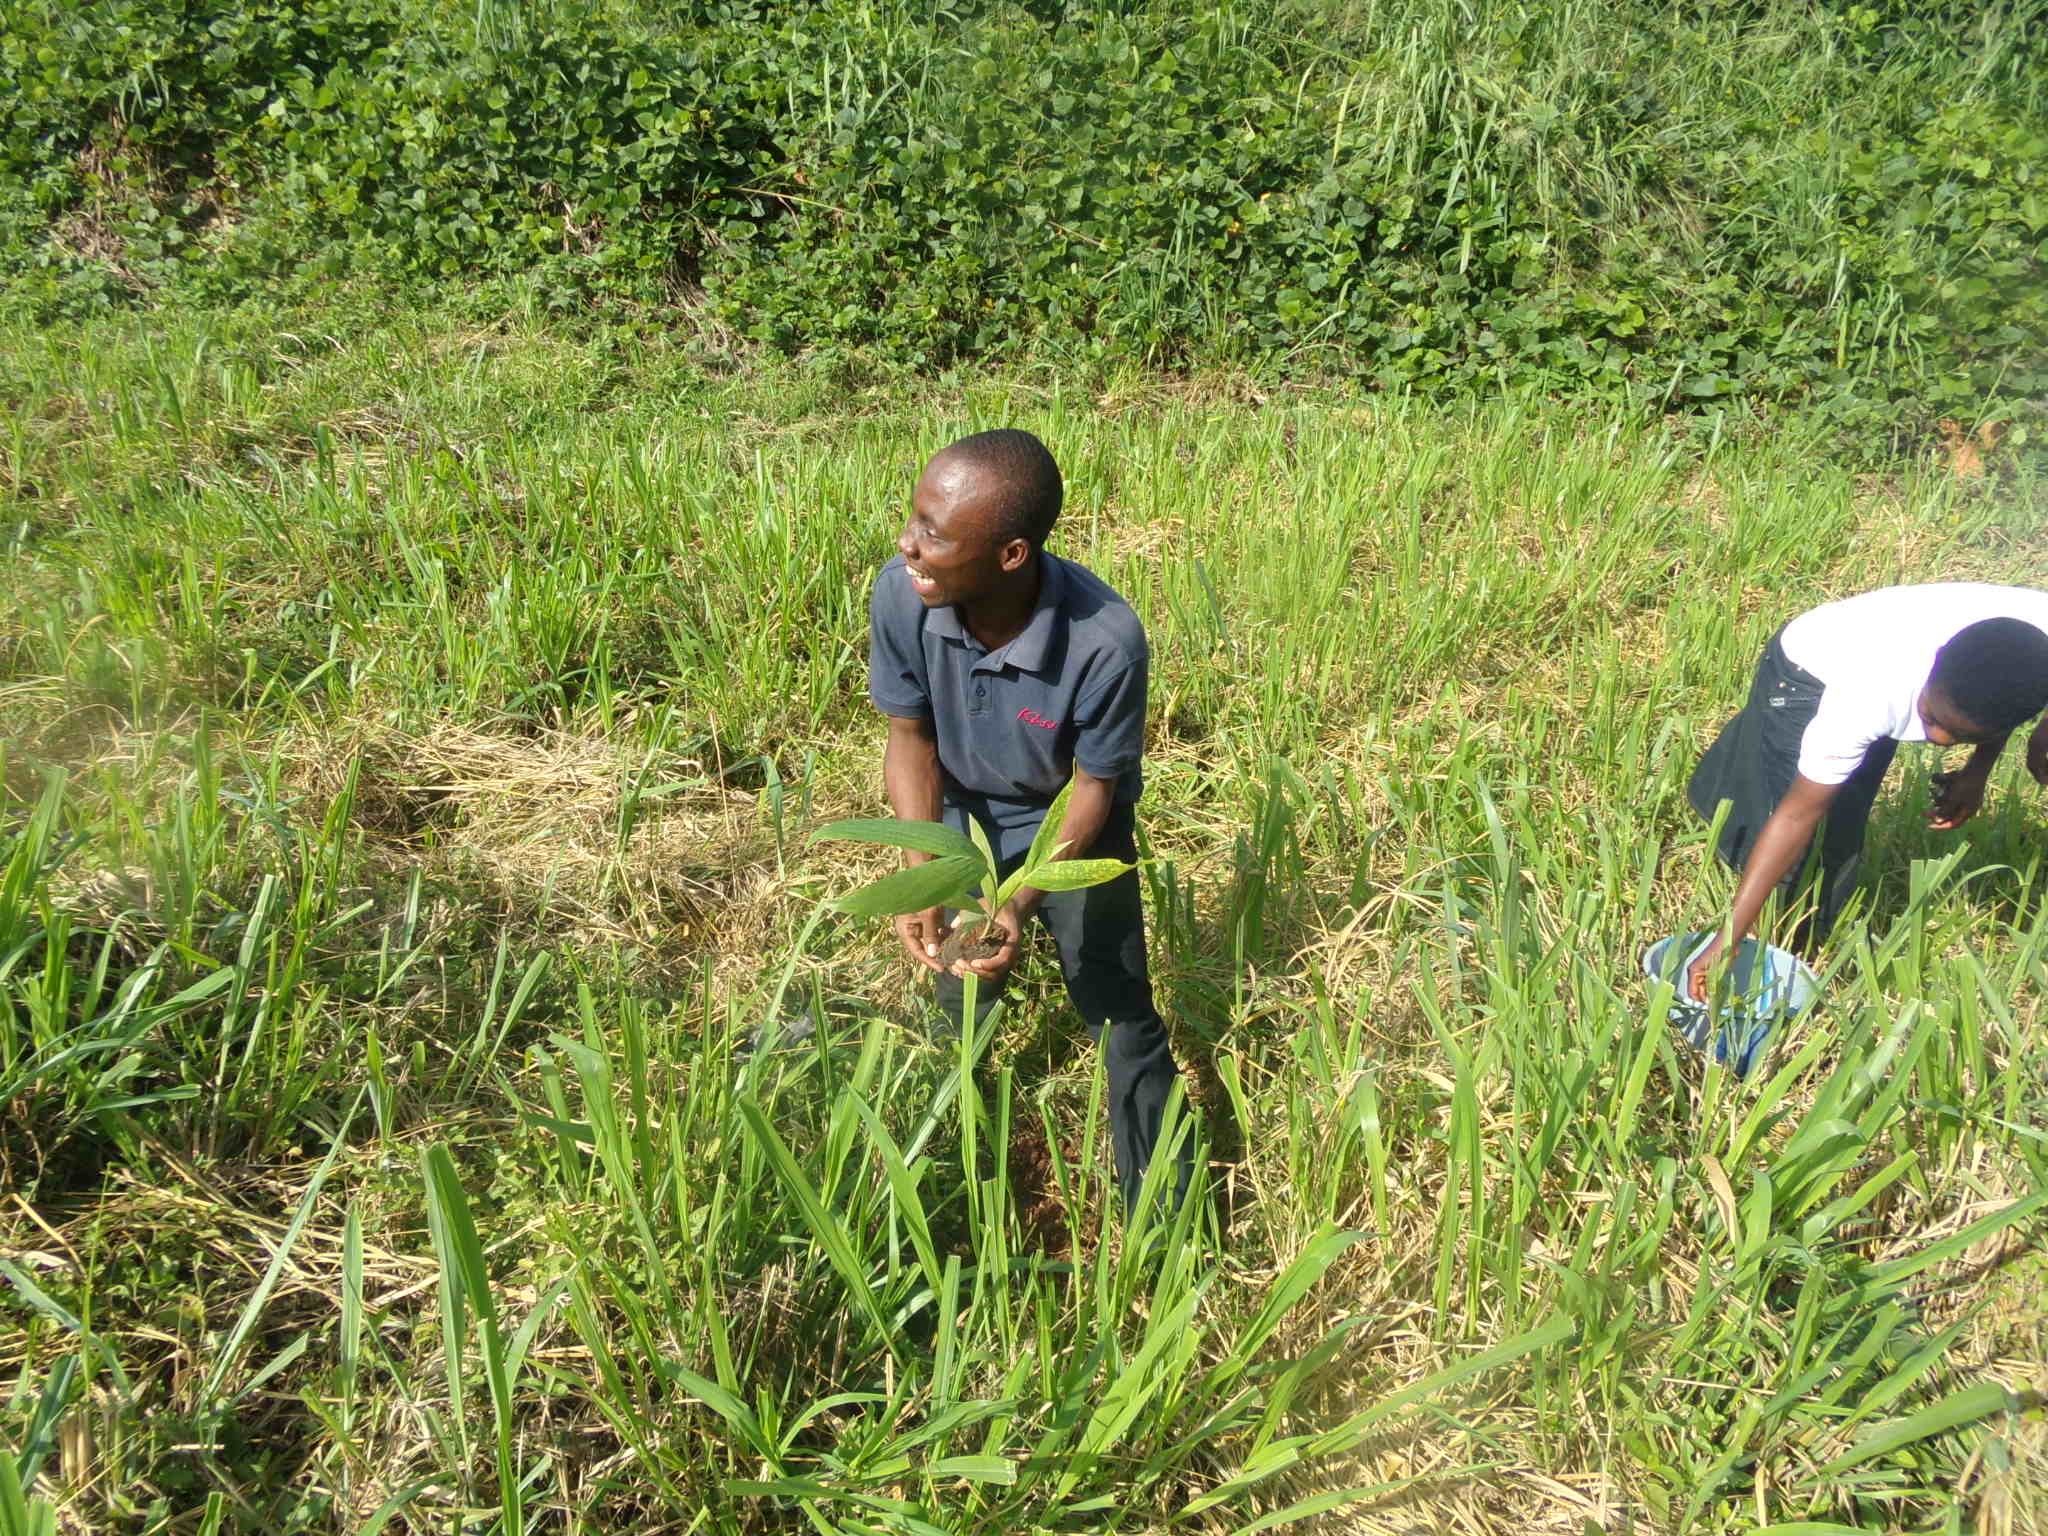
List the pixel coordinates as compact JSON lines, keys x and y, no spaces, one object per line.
{"x":905,"y":545}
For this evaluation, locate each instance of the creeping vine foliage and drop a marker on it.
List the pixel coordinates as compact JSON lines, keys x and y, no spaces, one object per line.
{"x":1840,"y":207}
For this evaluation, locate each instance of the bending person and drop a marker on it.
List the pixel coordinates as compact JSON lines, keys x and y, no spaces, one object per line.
{"x":1837,"y":689}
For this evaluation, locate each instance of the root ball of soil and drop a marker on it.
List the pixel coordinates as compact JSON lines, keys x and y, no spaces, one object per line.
{"x":978,"y":945}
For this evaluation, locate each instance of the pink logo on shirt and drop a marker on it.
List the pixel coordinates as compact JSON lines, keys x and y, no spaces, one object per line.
{"x":1033,"y":717}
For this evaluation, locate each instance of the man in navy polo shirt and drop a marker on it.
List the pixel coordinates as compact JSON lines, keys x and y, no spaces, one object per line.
{"x":1005,"y":672}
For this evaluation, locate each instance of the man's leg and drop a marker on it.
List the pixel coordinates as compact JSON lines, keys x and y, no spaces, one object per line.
{"x":1753,"y":761}
{"x":1841,"y":837}
{"x":1752,"y":764}
{"x":1101,"y":937}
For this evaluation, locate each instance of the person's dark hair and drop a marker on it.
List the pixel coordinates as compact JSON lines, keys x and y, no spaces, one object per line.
{"x":1994,"y":673}
{"x":1034,"y":492}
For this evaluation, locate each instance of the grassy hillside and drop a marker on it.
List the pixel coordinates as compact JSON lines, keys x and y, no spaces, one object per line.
{"x":1726,"y":211}
{"x":412,"y":731}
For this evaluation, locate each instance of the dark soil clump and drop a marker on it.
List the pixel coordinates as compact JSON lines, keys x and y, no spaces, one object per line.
{"x":980,"y":945}
{"x":1035,"y":1190}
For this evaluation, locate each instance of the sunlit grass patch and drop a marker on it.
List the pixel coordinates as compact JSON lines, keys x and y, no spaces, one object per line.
{"x":432,"y":773}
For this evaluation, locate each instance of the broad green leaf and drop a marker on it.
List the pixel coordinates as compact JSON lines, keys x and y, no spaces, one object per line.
{"x":1075,"y":874}
{"x":229,"y":1353}
{"x":1264,"y":1463}
{"x":1952,"y":1412}
{"x":1897,"y":1270}
{"x":1046,"y":839}
{"x":950,"y":1420}
{"x":50,"y":1409}
{"x":982,"y":849}
{"x":829,"y":1231}
{"x":975,"y":1469}
{"x":1839,"y":1362}
{"x":391,"y":1506}
{"x":720,"y":1402}
{"x":903,"y":1185}
{"x":932,"y":837}
{"x":1352,"y":1430}
{"x":1308,"y":1268}
{"x":70,"y":1322}
{"x":942,"y":882}
{"x":459,"y":1249}
{"x":1322,"y":1503}
{"x":20,"y":1513}
{"x":1137,"y":1384}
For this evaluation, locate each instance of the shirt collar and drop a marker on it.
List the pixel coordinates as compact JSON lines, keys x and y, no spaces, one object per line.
{"x":1027,"y":650}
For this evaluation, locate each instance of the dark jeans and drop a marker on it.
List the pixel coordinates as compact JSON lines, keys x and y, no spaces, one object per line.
{"x":1100,"y":934}
{"x":1752,"y":764}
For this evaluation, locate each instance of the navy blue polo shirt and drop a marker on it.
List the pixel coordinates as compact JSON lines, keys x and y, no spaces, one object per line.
{"x":1012,"y":722}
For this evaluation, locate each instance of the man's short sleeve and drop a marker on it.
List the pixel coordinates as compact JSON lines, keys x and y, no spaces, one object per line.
{"x":1109,"y":723}
{"x":896,"y":670}
{"x":1841,"y":731}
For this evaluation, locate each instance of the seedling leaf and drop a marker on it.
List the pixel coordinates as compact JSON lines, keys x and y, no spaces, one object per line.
{"x":941,"y":882}
{"x":1076,"y":874}
{"x":1045,"y":842}
{"x":932,"y":837}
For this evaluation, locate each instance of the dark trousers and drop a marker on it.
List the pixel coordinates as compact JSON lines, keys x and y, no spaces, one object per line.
{"x":1100,"y":934}
{"x":1752,"y":764}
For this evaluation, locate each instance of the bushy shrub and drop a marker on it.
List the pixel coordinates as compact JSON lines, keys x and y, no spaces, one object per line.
{"x":1836,"y":207}
{"x":123,"y":121}
{"x":344,"y":133}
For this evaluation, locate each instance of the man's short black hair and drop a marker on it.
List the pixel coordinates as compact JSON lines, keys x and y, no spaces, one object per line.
{"x":1034,"y":491}
{"x":1994,"y":673}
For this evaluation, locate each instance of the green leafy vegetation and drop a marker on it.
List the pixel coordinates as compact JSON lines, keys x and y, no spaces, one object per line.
{"x":962,"y":864}
{"x":413,"y":729}
{"x":1724,"y":211}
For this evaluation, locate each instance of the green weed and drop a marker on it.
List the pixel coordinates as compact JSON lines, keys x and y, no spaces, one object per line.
{"x":405,"y":908}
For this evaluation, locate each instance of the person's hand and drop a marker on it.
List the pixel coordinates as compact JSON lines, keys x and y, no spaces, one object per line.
{"x":921,"y":934}
{"x":2037,"y":752}
{"x":1698,"y":975}
{"x":1958,"y":796}
{"x":997,"y":966}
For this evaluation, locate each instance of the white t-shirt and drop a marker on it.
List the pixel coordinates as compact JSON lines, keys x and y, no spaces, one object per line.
{"x":1874,"y":653}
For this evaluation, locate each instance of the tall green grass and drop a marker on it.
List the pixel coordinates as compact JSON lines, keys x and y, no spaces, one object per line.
{"x":404,"y":910}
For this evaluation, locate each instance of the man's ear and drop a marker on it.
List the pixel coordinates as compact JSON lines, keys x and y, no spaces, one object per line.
{"x":1014,"y":554}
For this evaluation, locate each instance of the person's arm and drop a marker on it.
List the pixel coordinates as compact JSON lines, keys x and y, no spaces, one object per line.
{"x":1779,"y":847}
{"x":1088,"y":808}
{"x":1960,"y":795}
{"x":916,"y":790}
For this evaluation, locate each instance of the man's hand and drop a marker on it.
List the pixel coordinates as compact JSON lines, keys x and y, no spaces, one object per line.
{"x":910,"y":775}
{"x":996,"y":966}
{"x":1699,"y":974}
{"x":1958,"y":796}
{"x":921,"y":934}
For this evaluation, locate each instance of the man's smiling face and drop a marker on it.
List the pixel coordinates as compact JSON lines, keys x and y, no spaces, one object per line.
{"x":950,"y":545}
